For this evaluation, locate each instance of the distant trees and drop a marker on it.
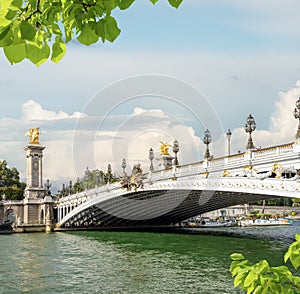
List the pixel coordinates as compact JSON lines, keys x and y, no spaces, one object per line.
{"x":90,"y":179}
{"x":278,"y":202}
{"x":10,"y":184}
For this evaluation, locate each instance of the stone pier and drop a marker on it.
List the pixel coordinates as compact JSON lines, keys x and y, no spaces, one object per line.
{"x":35,"y":212}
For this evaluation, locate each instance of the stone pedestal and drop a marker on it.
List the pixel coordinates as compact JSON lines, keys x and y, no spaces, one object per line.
{"x":48,"y":208}
{"x":38,"y":208}
{"x":32,"y":211}
{"x":167,"y":161}
{"x":34,"y":188}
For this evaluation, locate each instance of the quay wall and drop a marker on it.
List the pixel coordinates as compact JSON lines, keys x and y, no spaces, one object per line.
{"x":239,"y":210}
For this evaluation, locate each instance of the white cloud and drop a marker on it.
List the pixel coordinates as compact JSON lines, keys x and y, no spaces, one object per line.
{"x":127,"y":136}
{"x":33,"y":111}
{"x":283,"y":126}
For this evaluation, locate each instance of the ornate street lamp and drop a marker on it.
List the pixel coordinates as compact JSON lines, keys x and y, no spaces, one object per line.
{"x":250,"y":127}
{"x":175,"y":150}
{"x":63,"y":190}
{"x":70,"y":187}
{"x":297,"y":116}
{"x":108,"y":173}
{"x":228,"y":138}
{"x":78,"y":184}
{"x":87,"y":178}
{"x":151,"y":157}
{"x":207,"y":141}
{"x":47,"y":187}
{"x":123,"y":165}
{"x":97,"y":178}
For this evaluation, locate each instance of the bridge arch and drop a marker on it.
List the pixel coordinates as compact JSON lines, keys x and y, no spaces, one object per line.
{"x":168,"y":202}
{"x":11,"y":215}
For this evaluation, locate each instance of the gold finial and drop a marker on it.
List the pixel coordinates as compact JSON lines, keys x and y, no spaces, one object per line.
{"x":33,"y":135}
{"x":164,"y":148}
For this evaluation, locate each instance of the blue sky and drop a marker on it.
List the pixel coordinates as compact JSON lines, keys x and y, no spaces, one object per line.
{"x":240,"y":55}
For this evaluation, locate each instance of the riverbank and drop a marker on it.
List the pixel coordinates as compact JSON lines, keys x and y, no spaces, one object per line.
{"x":276,"y":233}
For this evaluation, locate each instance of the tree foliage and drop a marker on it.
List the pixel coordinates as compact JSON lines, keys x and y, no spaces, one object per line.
{"x":261,"y":278}
{"x":10,"y":184}
{"x":39,"y":29}
{"x":90,"y":179}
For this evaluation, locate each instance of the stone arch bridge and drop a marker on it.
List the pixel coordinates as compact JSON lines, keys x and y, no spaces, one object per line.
{"x":173,"y":195}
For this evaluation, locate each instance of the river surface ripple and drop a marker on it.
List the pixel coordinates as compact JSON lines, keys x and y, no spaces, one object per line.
{"x":132,"y":262}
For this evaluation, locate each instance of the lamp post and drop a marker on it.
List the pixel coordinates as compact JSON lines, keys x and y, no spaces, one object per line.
{"x":175,"y":150}
{"x":228,"y":138}
{"x":123,"y":165}
{"x":97,"y":178}
{"x":78,"y":185}
{"x":250,"y":127}
{"x":87,"y":178}
{"x":207,"y":141}
{"x":63,"y":190}
{"x":297,"y":116}
{"x":108,"y":173}
{"x":151,"y":157}
{"x":70,"y":187}
{"x":47,"y":187}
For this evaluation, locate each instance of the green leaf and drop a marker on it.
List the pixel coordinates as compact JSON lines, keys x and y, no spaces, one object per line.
{"x":6,"y":37}
{"x":100,"y":29}
{"x":11,"y":14}
{"x":109,"y":5}
{"x":27,"y":30}
{"x":153,"y":1}
{"x":87,"y":35}
{"x":38,"y":55}
{"x":33,"y":3}
{"x":295,"y":260}
{"x":124,"y":4}
{"x":58,"y":50}
{"x":239,"y":279}
{"x":251,"y":277}
{"x":175,"y":3}
{"x":111,"y":29}
{"x":17,"y":3}
{"x":262,"y":266}
{"x":16,"y":53}
{"x":258,"y":290}
{"x":237,"y":256}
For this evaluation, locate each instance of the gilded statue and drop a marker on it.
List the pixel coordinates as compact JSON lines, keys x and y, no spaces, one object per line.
{"x":164,"y":148}
{"x":33,"y":135}
{"x":277,"y":170}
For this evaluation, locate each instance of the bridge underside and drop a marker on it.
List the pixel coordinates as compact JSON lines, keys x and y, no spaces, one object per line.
{"x":155,"y":208}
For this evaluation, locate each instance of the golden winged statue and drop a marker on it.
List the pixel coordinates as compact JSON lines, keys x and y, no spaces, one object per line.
{"x":164,"y":148}
{"x":33,"y":135}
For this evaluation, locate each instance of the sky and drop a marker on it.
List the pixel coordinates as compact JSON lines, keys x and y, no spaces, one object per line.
{"x":170,"y":75}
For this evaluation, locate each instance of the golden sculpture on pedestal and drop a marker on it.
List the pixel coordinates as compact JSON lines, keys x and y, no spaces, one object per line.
{"x":164,"y":148}
{"x":33,"y":135}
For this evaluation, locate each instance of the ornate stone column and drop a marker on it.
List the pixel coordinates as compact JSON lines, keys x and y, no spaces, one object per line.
{"x":34,"y":188}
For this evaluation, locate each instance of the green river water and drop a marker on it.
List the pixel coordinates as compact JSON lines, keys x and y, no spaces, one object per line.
{"x":125,"y":262}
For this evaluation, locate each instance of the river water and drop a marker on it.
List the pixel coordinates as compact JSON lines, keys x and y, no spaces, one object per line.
{"x":132,"y":262}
